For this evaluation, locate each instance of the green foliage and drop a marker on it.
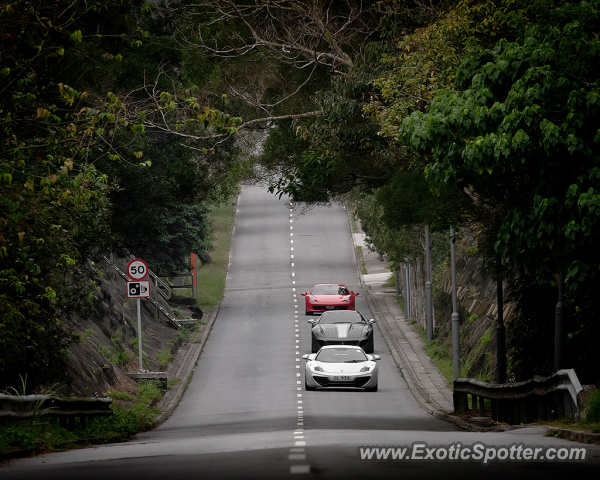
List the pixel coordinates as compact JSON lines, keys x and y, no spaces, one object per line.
{"x":165,"y":357}
{"x":134,"y":342}
{"x":120,"y":358}
{"x":485,"y":339}
{"x":529,"y":105}
{"x":592,"y":414}
{"x":161,"y":215}
{"x":63,"y":125}
{"x":173,"y":381}
{"x":117,"y":336}
{"x":137,"y":415}
{"x":87,"y":335}
{"x":521,"y":139}
{"x":105,"y":351}
{"x":184,"y":334}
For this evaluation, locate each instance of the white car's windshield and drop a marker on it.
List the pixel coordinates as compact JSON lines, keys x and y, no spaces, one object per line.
{"x":341,"y":355}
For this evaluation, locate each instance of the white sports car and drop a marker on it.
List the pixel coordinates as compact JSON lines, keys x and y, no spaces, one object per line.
{"x":341,"y":366}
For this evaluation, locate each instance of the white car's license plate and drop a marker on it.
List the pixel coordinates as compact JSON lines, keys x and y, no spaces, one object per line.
{"x":341,"y":378}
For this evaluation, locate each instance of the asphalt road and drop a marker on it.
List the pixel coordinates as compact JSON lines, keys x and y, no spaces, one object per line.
{"x":246,"y":414}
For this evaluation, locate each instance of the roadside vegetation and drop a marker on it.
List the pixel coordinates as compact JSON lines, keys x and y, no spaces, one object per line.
{"x":133,"y":412}
{"x":590,"y":422}
{"x":129,"y":119}
{"x":211,"y":277}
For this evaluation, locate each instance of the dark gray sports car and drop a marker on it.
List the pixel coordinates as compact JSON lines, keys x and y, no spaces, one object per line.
{"x":342,"y":327}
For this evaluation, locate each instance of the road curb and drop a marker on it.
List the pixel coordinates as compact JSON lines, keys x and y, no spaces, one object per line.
{"x":575,"y":435}
{"x":171,"y":399}
{"x":405,"y":366}
{"x":398,"y":355}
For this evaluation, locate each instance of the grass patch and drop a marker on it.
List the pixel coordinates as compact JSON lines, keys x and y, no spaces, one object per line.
{"x":363,"y":270}
{"x":571,"y":424}
{"x":132,"y":413}
{"x":211,"y":278}
{"x":171,"y":382}
{"x":438,"y":354}
{"x":353,"y":225}
{"x":390,"y":282}
{"x":400,"y":301}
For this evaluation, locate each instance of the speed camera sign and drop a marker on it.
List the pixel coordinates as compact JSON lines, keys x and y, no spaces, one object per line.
{"x":137,"y":269}
{"x":138,"y":289}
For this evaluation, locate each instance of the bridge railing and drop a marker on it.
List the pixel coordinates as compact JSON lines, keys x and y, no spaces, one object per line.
{"x":537,"y":399}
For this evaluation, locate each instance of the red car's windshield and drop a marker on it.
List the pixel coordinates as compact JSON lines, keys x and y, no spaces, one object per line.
{"x":330,"y":290}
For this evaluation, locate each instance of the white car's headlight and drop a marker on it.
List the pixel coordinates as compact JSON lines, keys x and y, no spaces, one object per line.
{"x":365,"y":331}
{"x":316,"y":368}
{"x":366,"y":368}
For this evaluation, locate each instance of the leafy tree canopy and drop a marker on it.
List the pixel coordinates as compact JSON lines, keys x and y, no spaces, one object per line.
{"x":524,"y":137}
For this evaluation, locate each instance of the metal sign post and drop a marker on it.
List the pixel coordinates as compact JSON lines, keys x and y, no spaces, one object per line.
{"x":139,"y":335}
{"x":137,"y":270}
{"x":428,"y":296}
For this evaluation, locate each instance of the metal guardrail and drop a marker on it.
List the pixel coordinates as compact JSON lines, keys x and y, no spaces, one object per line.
{"x":65,"y":409}
{"x":170,"y":317}
{"x":537,"y":399}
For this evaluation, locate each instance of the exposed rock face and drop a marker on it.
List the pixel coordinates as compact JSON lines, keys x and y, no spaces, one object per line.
{"x":108,"y":346}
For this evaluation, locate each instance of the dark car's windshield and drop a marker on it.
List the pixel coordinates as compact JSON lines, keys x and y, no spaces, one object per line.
{"x":341,"y":355}
{"x":329,"y":290}
{"x":341,"y":316}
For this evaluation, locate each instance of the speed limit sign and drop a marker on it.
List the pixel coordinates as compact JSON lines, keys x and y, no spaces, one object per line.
{"x":137,"y":269}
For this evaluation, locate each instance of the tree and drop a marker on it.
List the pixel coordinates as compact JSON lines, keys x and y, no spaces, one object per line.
{"x":59,"y":123}
{"x":523,"y":138}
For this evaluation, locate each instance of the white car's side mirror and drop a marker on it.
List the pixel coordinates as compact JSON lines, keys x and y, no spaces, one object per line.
{"x":376,"y":357}
{"x":312,"y":321}
{"x":371,"y":322}
{"x":305,"y":356}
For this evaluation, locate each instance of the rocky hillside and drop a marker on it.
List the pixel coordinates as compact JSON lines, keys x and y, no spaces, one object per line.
{"x":107,"y":347}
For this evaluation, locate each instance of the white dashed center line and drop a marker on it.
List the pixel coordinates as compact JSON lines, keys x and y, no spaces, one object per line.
{"x":297,"y":453}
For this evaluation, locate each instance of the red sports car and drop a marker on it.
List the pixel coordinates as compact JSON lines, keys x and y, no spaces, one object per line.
{"x":329,"y":296}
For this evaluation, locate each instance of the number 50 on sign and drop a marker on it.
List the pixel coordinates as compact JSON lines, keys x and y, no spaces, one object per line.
{"x":137,"y":269}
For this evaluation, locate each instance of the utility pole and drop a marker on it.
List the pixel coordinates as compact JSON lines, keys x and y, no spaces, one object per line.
{"x":559,"y":341}
{"x":455,"y":324}
{"x":407,"y":292}
{"x":500,"y":330}
{"x":428,"y":298}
